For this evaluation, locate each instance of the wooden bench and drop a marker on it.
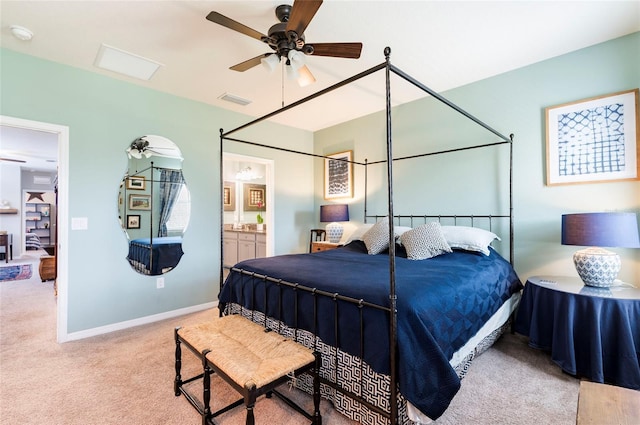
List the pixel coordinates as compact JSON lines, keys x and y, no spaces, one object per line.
{"x":252,"y":359}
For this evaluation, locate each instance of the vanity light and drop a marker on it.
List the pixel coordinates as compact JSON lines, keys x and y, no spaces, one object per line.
{"x":247,"y":174}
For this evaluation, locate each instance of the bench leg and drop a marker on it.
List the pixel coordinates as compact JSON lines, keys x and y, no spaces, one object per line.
{"x":177,"y":383}
{"x":250,"y":402}
{"x":317,"y":418}
{"x":206,"y":389}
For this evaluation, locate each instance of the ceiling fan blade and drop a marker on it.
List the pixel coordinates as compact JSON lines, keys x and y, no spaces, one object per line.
{"x":248,"y":64}
{"x":305,"y":77}
{"x":12,"y":160}
{"x":301,"y":14}
{"x":234,"y":25}
{"x":336,"y":50}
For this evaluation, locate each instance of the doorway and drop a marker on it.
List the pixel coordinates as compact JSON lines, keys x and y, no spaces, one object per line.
{"x":235,"y":164}
{"x":62,"y":138}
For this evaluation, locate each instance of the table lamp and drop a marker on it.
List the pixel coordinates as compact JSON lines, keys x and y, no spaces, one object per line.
{"x":597,"y":266}
{"x":332,"y":214}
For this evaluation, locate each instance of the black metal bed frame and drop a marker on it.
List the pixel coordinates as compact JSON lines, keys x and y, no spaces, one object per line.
{"x":392,"y":413}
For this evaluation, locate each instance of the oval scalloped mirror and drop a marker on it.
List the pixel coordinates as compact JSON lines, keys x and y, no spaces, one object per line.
{"x":154,"y":205}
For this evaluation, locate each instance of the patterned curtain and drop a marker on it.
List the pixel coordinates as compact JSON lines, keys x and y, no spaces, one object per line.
{"x":171,"y":182}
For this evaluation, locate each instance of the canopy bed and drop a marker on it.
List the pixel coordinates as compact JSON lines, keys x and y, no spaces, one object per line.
{"x":396,"y":334}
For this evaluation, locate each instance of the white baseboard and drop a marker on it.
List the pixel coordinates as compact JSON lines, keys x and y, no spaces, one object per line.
{"x":74,"y":336}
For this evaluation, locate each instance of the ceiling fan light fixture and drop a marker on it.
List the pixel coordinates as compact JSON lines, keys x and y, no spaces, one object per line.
{"x":296,"y":59}
{"x":305,"y":77}
{"x":292,"y":73}
{"x":270,"y":62}
{"x":134,"y":153}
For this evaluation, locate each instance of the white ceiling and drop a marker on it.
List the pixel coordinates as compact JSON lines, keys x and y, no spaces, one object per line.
{"x":444,"y":44}
{"x":30,"y":149}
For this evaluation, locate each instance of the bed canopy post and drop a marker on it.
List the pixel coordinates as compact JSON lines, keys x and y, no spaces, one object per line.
{"x":511,"y":250}
{"x":221,"y":203}
{"x":366,"y":175}
{"x":393,"y":319}
{"x":151,"y":220}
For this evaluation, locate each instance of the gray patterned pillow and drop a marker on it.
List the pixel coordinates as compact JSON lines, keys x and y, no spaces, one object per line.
{"x":425,"y":241}
{"x":377,"y":238}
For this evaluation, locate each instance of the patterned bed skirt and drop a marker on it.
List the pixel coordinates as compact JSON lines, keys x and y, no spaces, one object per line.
{"x":353,"y":374}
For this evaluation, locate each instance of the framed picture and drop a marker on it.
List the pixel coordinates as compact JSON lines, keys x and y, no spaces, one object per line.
{"x":338,"y":175}
{"x":593,"y":140}
{"x":229,"y":196}
{"x":254,"y":198}
{"x":136,"y":182}
{"x":133,"y":221}
{"x":139,"y":202}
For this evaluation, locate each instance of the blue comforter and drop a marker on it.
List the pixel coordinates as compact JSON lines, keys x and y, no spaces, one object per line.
{"x":167,"y":252}
{"x":441,"y":303}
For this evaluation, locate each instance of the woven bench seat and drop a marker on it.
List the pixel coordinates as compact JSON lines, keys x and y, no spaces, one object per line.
{"x":248,"y":357}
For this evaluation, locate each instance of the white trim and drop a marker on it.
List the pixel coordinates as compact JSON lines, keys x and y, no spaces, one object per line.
{"x":62,"y":252}
{"x":87,"y":333}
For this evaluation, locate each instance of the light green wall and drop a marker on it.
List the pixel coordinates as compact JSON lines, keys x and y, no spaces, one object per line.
{"x":104,"y":115}
{"x":513,"y":102}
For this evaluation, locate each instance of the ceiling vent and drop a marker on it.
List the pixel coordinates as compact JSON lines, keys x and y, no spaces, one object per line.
{"x":116,"y":60}
{"x":41,"y":180}
{"x":234,"y":99}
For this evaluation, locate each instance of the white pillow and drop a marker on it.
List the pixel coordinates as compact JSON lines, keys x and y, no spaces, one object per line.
{"x":400,"y":230}
{"x":425,"y":241}
{"x":359,"y":232}
{"x":469,"y":238}
{"x":377,"y":237}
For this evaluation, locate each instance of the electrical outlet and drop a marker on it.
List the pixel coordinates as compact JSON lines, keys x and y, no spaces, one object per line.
{"x":160,"y":282}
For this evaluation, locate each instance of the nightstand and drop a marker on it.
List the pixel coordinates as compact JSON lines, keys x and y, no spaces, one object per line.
{"x":591,"y":332}
{"x":323,"y":246}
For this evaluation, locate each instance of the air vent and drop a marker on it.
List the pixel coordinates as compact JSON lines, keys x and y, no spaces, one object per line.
{"x":116,"y":60}
{"x":41,"y":180}
{"x":234,"y":99}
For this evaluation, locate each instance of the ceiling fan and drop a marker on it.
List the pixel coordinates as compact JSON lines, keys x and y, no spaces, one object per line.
{"x":287,"y":40}
{"x":141,"y":147}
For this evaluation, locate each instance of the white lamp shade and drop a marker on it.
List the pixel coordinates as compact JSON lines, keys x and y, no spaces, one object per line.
{"x":296,"y":59}
{"x":270,"y":62}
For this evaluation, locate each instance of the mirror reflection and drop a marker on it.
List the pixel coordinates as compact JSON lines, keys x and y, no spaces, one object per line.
{"x":154,"y":205}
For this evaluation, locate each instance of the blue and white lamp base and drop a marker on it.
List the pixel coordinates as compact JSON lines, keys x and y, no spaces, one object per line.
{"x":334,"y":232}
{"x":597,"y":267}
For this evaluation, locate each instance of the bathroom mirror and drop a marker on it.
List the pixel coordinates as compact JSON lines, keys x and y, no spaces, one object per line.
{"x":154,"y":205}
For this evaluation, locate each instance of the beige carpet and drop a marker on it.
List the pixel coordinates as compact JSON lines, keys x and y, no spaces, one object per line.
{"x":126,"y":377}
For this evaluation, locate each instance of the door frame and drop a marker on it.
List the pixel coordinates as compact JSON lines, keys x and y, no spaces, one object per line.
{"x":270,"y":181}
{"x":62,"y":251}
